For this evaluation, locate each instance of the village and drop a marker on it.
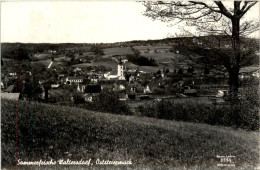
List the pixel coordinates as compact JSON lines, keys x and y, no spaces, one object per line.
{"x":68,"y":82}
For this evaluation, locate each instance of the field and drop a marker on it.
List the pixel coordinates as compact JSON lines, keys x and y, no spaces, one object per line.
{"x":142,"y":48}
{"x":163,"y":57}
{"x":57,"y":132}
{"x":108,"y":64}
{"x":39,"y":57}
{"x":182,"y":100}
{"x":109,"y":52}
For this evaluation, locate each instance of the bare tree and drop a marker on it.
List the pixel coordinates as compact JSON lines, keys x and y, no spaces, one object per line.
{"x":214,"y":18}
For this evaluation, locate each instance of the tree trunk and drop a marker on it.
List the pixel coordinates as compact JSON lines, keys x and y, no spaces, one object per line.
{"x":234,"y":61}
{"x":46,"y":94}
{"x":233,"y":84}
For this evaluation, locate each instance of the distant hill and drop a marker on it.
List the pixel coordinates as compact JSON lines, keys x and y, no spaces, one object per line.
{"x":9,"y":48}
{"x":54,"y":132}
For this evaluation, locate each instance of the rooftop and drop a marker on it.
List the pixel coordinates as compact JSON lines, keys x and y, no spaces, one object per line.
{"x":75,"y":78}
{"x":9,"y":88}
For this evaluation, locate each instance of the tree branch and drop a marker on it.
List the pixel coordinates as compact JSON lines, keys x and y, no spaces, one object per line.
{"x":243,"y":12}
{"x":223,"y":9}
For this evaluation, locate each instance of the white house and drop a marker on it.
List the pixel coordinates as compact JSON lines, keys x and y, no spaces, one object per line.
{"x":81,"y":88}
{"x":55,"y":86}
{"x":249,"y":71}
{"x":256,"y":73}
{"x":124,"y":61}
{"x":12,"y":74}
{"x":147,"y":89}
{"x":111,"y":75}
{"x":74,"y":79}
{"x":77,"y":69}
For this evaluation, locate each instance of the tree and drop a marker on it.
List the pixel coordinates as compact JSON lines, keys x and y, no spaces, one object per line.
{"x":190,"y":70}
{"x":206,"y":70}
{"x":127,"y":76}
{"x":47,"y":87}
{"x":212,"y":18}
{"x":109,"y":101}
{"x":31,"y":87}
{"x":97,"y":50}
{"x":180,"y":71}
{"x":22,"y":53}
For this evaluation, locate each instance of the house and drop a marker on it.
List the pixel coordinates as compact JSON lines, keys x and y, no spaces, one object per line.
{"x":119,"y":87}
{"x":93,"y":78}
{"x":60,"y":76}
{"x":144,"y":97}
{"x":190,"y":92}
{"x":55,"y":86}
{"x":88,"y":98}
{"x":2,"y":85}
{"x":106,"y":86}
{"x":132,"y":70}
{"x":81,"y":88}
{"x":111,"y":75}
{"x":256,"y":73}
{"x":74,"y":80}
{"x":122,"y":97}
{"x":124,"y":61}
{"x":222,"y":93}
{"x":147,"y":89}
{"x":13,"y":74}
{"x":77,"y":69}
{"x":153,"y":84}
{"x":246,"y":72}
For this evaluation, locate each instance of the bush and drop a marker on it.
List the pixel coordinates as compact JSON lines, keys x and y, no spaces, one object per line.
{"x":141,"y":60}
{"x":248,"y":108}
{"x":108,"y":101}
{"x":97,"y":50}
{"x":78,"y":99}
{"x":240,"y":116}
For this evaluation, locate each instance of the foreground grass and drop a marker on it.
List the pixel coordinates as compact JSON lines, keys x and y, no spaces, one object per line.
{"x":50,"y":132}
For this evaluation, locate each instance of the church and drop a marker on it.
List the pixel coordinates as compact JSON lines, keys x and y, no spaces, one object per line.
{"x":116,"y":74}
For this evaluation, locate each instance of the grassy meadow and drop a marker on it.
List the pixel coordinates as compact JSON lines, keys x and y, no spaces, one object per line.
{"x":58,"y":132}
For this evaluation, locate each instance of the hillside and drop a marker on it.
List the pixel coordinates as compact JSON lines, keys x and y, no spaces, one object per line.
{"x":52,"y":132}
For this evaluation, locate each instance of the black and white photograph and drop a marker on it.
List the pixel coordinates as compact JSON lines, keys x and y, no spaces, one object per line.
{"x":130,"y":85}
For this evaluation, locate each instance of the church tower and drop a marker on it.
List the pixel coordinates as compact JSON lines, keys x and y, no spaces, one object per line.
{"x":120,"y":71}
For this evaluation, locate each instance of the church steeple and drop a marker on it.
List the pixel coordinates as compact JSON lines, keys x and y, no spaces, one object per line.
{"x":120,"y":70}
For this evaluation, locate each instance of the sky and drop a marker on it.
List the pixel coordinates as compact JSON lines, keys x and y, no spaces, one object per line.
{"x":81,"y":22}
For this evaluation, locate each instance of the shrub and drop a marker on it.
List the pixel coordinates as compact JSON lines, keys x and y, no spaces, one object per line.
{"x":97,"y":50}
{"x":248,"y":108}
{"x":141,"y":60}
{"x":78,"y":99}
{"x":108,"y":101}
{"x":240,"y":116}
